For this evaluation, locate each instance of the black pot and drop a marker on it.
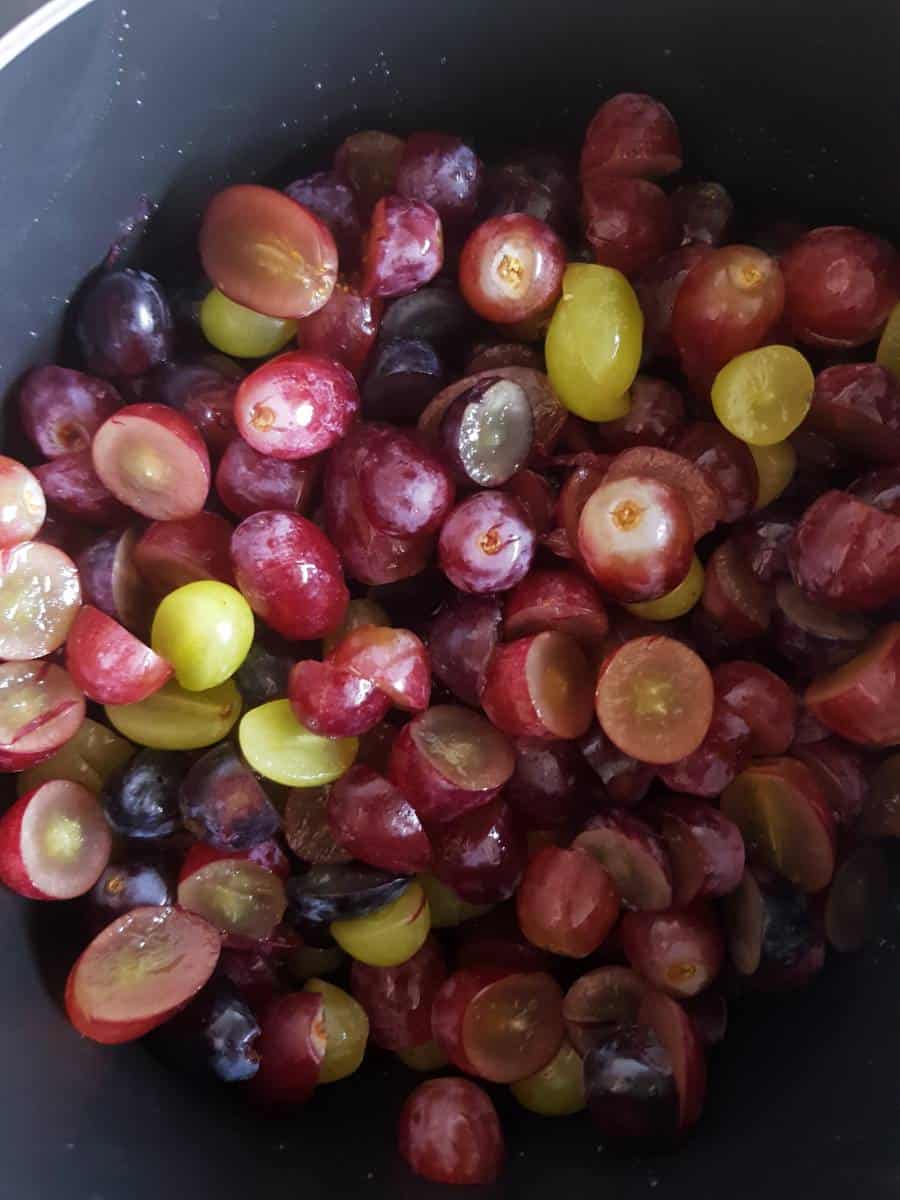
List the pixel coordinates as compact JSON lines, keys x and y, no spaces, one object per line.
{"x":793,"y":104}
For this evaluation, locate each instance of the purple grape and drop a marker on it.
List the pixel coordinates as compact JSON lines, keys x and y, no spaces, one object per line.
{"x":334,"y":203}
{"x":486,"y":433}
{"x":461,"y":641}
{"x":61,"y":410}
{"x":404,"y":376}
{"x":223,"y":803}
{"x":124,"y":325}
{"x":630,"y":1087}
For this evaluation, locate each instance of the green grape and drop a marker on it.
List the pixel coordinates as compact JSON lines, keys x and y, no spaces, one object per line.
{"x":279,"y":748}
{"x":764,"y":395}
{"x":676,"y":603}
{"x":173,"y":719}
{"x":89,"y":757}
{"x":389,"y":936}
{"x":448,"y":909}
{"x":775,"y":467}
{"x":888,"y":353}
{"x":240,"y":331}
{"x":205,"y":630}
{"x":558,"y":1089}
{"x":346,"y":1031}
{"x":358,"y":613}
{"x":427,"y":1057}
{"x":304,"y":962}
{"x":593,"y":346}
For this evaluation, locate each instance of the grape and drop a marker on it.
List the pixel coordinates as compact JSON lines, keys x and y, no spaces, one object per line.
{"x":600,"y":1002}
{"x":248,"y":482}
{"x":425,"y":1057}
{"x":204,"y":630}
{"x":722,"y":754}
{"x":679,"y":952}
{"x":775,"y":467}
{"x":728,"y":463}
{"x":633,"y":855}
{"x":654,"y":418}
{"x":703,"y":212}
{"x":223,"y":804}
{"x":334,"y":203}
{"x":61,"y":410}
{"x":22,"y":504}
{"x":405,"y":490}
{"x":123,"y":323}
{"x":71,"y":485}
{"x":153,"y":460}
{"x":108,"y":663}
{"x":203,"y":389}
{"x":633,"y":135}
{"x":888,"y":353}
{"x":539,"y":686}
{"x":451,"y":760}
{"x":625,"y":780}
{"x":880,"y":488}
{"x":240,"y":331}
{"x":593,"y":345}
{"x":486,"y":433}
{"x":785,"y":822}
{"x":511,"y":268}
{"x":486,"y":543}
{"x":402,"y":379}
{"x":404,"y":249}
{"x":857,"y":899}
{"x":858,"y":700}
{"x":141,"y":798}
{"x":770,"y":931}
{"x":703,"y":498}
{"x":842,"y":773}
{"x":536,"y":495}
{"x":375,"y":823}
{"x":398,"y":999}
{"x":436,"y":314}
{"x":368,"y":161}
{"x":676,"y":603}
{"x":705,"y":849}
{"x":172,"y":554}
{"x":461,"y":640}
{"x":764,"y":395}
{"x":558,"y":600}
{"x":263,"y":675}
{"x":558,"y":1089}
{"x":442,"y":171}
{"x":567,"y":902}
{"x":174,"y":719}
{"x":840,"y":286}
{"x":359,"y":612}
{"x":289,"y":573}
{"x":39,"y":598}
{"x":267,"y":252}
{"x":628,"y":223}
{"x":291,"y":1048}
{"x":307,"y":830}
{"x":449,"y":1132}
{"x":488,"y":356}
{"x":139,"y":971}
{"x":343,"y":329}
{"x":241,"y":899}
{"x":143,"y":880}
{"x":346,"y":1029}
{"x":636,"y":537}
{"x":764,"y":701}
{"x":391,"y":934}
{"x":726,"y":305}
{"x":395,"y":659}
{"x":858,"y":406}
{"x":657,"y":288}
{"x":733,"y":596}
{"x":542,"y":790}
{"x":447,"y":909}
{"x":480,"y":854}
{"x":88,"y":757}
{"x":494,"y":939}
{"x":279,"y":748}
{"x":216,"y":1034}
{"x":40,"y":709}
{"x":335,"y":701}
{"x":811,"y":634}
{"x":630,"y":1087}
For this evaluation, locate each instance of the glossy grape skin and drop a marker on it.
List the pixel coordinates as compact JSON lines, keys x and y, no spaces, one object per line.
{"x":404,"y":248}
{"x":842,"y":773}
{"x":405,"y":490}
{"x":142,"y":880}
{"x":705,"y":849}
{"x":481,"y":854}
{"x":701,"y":496}
{"x":442,"y":171}
{"x":248,"y":482}
{"x":560,"y":600}
{"x":657,"y":288}
{"x":840,"y":286}
{"x":216,"y":1033}
{"x":171,"y":554}
{"x":403,"y":377}
{"x":23,"y":508}
{"x":61,"y":409}
{"x":222,"y":803}
{"x":775,"y":467}
{"x":461,"y":639}
{"x":398,"y":999}
{"x":71,"y":485}
{"x":279,"y":748}
{"x":486,"y":543}
{"x":175,"y":719}
{"x":727,"y":461}
{"x":655,"y":418}
{"x":343,"y":329}
{"x":306,"y":828}
{"x":593,"y":345}
{"x":637,"y":539}
{"x":567,"y":902}
{"x":511,"y":268}
{"x":368,"y":161}
{"x":763,"y":396}
{"x":625,"y":780}
{"x":203,"y":389}
{"x":628,"y":223}
{"x":39,"y":598}
{"x":726,"y":305}
{"x":40,"y":710}
{"x":857,"y":405}
{"x":141,"y":799}
{"x":371,"y":819}
{"x":703,"y":212}
{"x":109,"y":664}
{"x":334,"y":203}
{"x":765,"y":542}
{"x":346,"y":1029}
{"x":633,"y":855}
{"x":265,"y":251}
{"x":124,"y":326}
{"x":542,"y":790}
{"x":630,"y":1088}
{"x":634,"y":135}
{"x":858,"y":700}
{"x":204,"y":630}
{"x":680,"y":952}
{"x":334,"y":701}
{"x":436,"y":314}
{"x":763,"y":700}
{"x":391,"y":934}
{"x":289,"y":573}
{"x":539,"y":686}
{"x":291,"y":1048}
{"x":723,"y":753}
{"x":394,"y":659}
{"x":241,"y":332}
{"x":449,"y":1132}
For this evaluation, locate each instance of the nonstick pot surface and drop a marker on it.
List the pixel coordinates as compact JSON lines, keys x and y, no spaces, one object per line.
{"x":793,"y":105}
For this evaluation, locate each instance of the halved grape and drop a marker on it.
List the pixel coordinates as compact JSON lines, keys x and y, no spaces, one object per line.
{"x":539,"y":686}
{"x":108,"y":663}
{"x":248,"y":482}
{"x":764,"y":395}
{"x":632,"y":134}
{"x":628,"y":223}
{"x":486,"y":433}
{"x":238,"y":898}
{"x":235,"y":329}
{"x":703,"y":211}
{"x":88,"y":757}
{"x":449,"y":1132}
{"x":174,"y":719}
{"x":859,"y":700}
{"x":333,"y":700}
{"x":343,"y":329}
{"x":394,"y":659}
{"x":335,"y":204}
{"x":567,"y":902}
{"x":291,"y":1048}
{"x":110,"y":580}
{"x":346,"y":1031}
{"x":728,"y":463}
{"x":375,"y":822}
{"x":633,"y":855}
{"x":461,"y":639}
{"x":404,"y":376}
{"x":444,"y":172}
{"x":775,"y":467}
{"x":204,"y":630}
{"x":61,"y":409}
{"x":279,"y":748}
{"x":22,"y":504}
{"x":511,"y":268}
{"x":224,"y":805}
{"x":705,"y":848}
{"x":480,"y":854}
{"x":307,"y":830}
{"x":657,"y":288}
{"x":390,"y":935}
{"x":368,"y":161}
{"x":763,"y":700}
{"x":399,"y":999}
{"x":557,"y":1090}
{"x":676,"y":603}
{"x":203,"y":389}
{"x":625,"y":780}
{"x":264,"y":250}
{"x":599,"y":1002}
{"x":40,"y":709}
{"x":701,"y":496}
{"x":171,"y":554}
{"x":405,"y":489}
{"x":675,"y":1031}
{"x":39,"y":598}
{"x":72,"y":486}
{"x":123,"y":323}
{"x":486,"y":543}
{"x":733,"y":596}
{"x":857,"y":405}
{"x":556,"y":600}
{"x":680,"y":952}
{"x":404,"y":249}
{"x":723,"y":753}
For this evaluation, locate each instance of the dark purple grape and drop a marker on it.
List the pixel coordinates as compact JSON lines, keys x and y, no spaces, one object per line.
{"x":141,"y":799}
{"x":787,"y":926}
{"x":263,"y":676}
{"x":404,"y":376}
{"x":411,"y":603}
{"x":703,"y":213}
{"x":217,"y":1032}
{"x":326,"y":893}
{"x":334,"y":203}
{"x":880,"y":488}
{"x":461,"y":640}
{"x":535,"y":182}
{"x":542,"y":790}
{"x":486,"y":433}
{"x":61,"y":410}
{"x":124,"y":325}
{"x":143,"y":879}
{"x":765,"y":540}
{"x":442,"y":171}
{"x":204,"y":390}
{"x":223,"y":803}
{"x":630,"y":1087}
{"x":436,"y":314}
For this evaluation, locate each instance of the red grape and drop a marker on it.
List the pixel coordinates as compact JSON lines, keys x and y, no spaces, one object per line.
{"x":71,"y":485}
{"x":61,"y":410}
{"x":628,"y":223}
{"x":405,"y":489}
{"x":368,"y":161}
{"x":334,"y":701}
{"x":22,"y":504}
{"x":395,"y":659}
{"x":461,"y":640}
{"x":599,"y":1002}
{"x":307,"y":830}
{"x":733,"y":596}
{"x":405,"y":374}
{"x":543,"y":789}
{"x":625,"y":780}
{"x":110,"y":580}
{"x":172,"y":553}
{"x":398,"y":1000}
{"x":706,"y":851}
{"x":442,"y":171}
{"x":291,"y":1047}
{"x":334,"y":203}
{"x":703,"y":499}
{"x":763,"y":700}
{"x":722,"y":754}
{"x":680,"y":952}
{"x":486,"y":433}
{"x":372,"y":819}
{"x":511,"y":268}
{"x":634,"y":856}
{"x":449,"y":1132}
{"x":880,"y":489}
{"x":727,"y":462}
{"x":486,"y":543}
{"x":860,"y":700}
{"x":675,"y":1031}
{"x":203,"y":390}
{"x":539,"y":686}
{"x":344,"y":329}
{"x":567,"y":902}
{"x":703,"y":212}
{"x":248,"y":482}
{"x":857,"y":405}
{"x":480,"y":854}
{"x":109,"y":664}
{"x":655,"y":418}
{"x":404,"y":248}
{"x":842,"y":773}
{"x":632,"y":134}
{"x":657,"y":288}
{"x":40,"y":709}
{"x":630,"y":1087}
{"x":556,"y":599}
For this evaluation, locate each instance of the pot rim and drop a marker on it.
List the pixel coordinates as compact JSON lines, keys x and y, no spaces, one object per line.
{"x":31,"y":29}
